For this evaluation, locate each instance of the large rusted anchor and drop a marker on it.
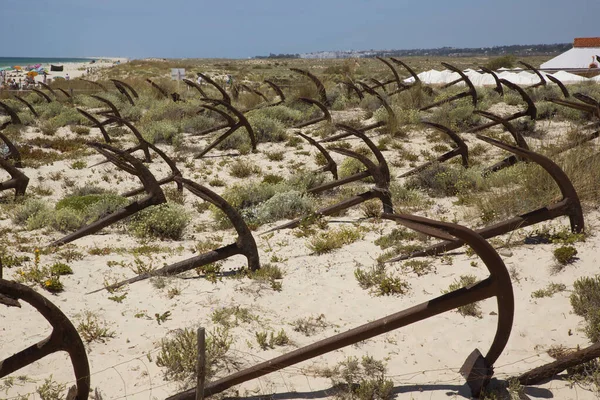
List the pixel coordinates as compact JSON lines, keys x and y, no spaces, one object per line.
{"x":97,"y":124}
{"x":226,"y":97}
{"x":320,"y":87}
{"x":325,"y":117}
{"x":401,"y":86}
{"x":242,"y":122}
{"x":561,"y":85}
{"x":568,"y":206}
{"x":122,"y":87}
{"x":244,"y":244}
{"x":586,"y":104}
{"x":530,"y":111}
{"x":470,"y":92}
{"x":158,"y":88}
{"x":477,"y":369}
{"x":266,"y":104}
{"x":114,"y":111}
{"x":351,"y":87}
{"x":64,"y":337}
{"x":14,"y":117}
{"x":129,"y":164}
{"x":195,"y":86}
{"x":18,"y":181}
{"x":379,"y":172}
{"x":22,"y":100}
{"x":461,"y":150}
{"x":48,"y":88}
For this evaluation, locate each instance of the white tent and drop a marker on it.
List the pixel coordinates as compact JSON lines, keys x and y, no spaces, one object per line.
{"x":576,"y":58}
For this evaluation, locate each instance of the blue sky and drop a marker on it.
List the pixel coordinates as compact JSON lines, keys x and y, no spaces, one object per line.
{"x":245,"y":28}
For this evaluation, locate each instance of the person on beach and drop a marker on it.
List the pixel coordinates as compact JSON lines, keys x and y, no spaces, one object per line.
{"x":44,"y":78}
{"x":67,"y":77}
{"x":199,"y":80}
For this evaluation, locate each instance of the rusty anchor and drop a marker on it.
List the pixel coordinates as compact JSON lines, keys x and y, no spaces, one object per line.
{"x":498,"y":89}
{"x":132,"y":165}
{"x":470,"y":92}
{"x":42,"y":95}
{"x":477,"y":368}
{"x":63,"y":91}
{"x":113,"y":109}
{"x":392,"y":121}
{"x":542,"y":81}
{"x":226,"y":98}
{"x":22,"y":100}
{"x":48,"y":88}
{"x":325,"y":117}
{"x":569,"y":205}
{"x":409,"y":69}
{"x":64,"y":337}
{"x":461,"y":150}
{"x":561,"y":85}
{"x":320,"y":87}
{"x":530,"y":111}
{"x":266,"y":104}
{"x":14,"y":117}
{"x":18,"y":181}
{"x":158,"y":88}
{"x":13,"y":151}
{"x":101,"y":86}
{"x":241,"y":123}
{"x":350,"y":86}
{"x":379,"y":172}
{"x":519,"y":140}
{"x":331,"y":166}
{"x":96,"y":123}
{"x":244,"y":245}
{"x":195,"y":86}
{"x":122,"y":87}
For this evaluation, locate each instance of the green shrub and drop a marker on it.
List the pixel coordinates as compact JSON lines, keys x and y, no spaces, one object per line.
{"x":565,"y":254}
{"x":243,"y":168}
{"x":379,"y":282}
{"x":472,"y":309}
{"x":362,"y":380}
{"x":164,"y":221}
{"x":267,"y":129}
{"x":549,"y":291}
{"x":501,"y":62}
{"x":585,"y":301}
{"x":80,"y":130}
{"x":284,"y":205}
{"x":23,"y":212}
{"x":328,"y":241}
{"x":443,"y":180}
{"x":162,"y":132}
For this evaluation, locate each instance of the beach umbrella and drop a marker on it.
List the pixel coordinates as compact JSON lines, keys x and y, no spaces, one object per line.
{"x":32,"y":73}
{"x":6,"y":68}
{"x":17,"y":67}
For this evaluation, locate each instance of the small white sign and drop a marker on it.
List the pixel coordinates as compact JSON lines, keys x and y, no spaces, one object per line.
{"x":177,"y":74}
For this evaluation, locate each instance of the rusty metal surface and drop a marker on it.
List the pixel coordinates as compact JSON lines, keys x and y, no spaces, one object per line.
{"x":470,"y":92}
{"x":18,"y":181}
{"x":224,"y":94}
{"x":241,"y":123}
{"x":48,"y":88}
{"x":244,"y":245}
{"x":461,"y":150}
{"x":64,"y":337}
{"x":561,"y":85}
{"x":530,"y":111}
{"x":195,"y":86}
{"x":14,"y":117}
{"x":409,"y":69}
{"x":65,"y":93}
{"x":569,"y":205}
{"x":13,"y":151}
{"x":400,"y":85}
{"x":132,"y":165}
{"x":542,"y":81}
{"x":101,"y":86}
{"x":320,"y":88}
{"x":42,"y":95}
{"x":325,"y":117}
{"x":498,"y":89}
{"x":331,"y":166}
{"x":96,"y":123}
{"x":22,"y":100}
{"x":353,"y":87}
{"x":497,"y":285}
{"x":157,"y":87}
{"x":113,"y":108}
{"x":125,"y":85}
{"x":277,"y":90}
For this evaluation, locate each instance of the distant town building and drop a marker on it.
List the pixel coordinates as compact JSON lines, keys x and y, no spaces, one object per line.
{"x":585,"y":54}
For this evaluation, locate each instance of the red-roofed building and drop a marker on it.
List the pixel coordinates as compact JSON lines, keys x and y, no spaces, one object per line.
{"x":585,"y":55}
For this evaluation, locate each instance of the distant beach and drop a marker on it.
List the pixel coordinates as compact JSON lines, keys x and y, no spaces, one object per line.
{"x":24,"y":61}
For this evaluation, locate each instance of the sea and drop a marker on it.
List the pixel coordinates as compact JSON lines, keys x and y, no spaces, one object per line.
{"x":25,"y":61}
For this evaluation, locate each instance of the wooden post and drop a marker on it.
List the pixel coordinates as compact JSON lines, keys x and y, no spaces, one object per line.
{"x":201,"y":364}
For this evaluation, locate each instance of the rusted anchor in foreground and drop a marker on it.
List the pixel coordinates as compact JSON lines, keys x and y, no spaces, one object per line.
{"x":320,"y":87}
{"x":561,"y":85}
{"x":379,"y":172}
{"x":461,"y":150}
{"x":226,"y":97}
{"x":498,"y":89}
{"x":241,"y":123}
{"x":129,"y":164}
{"x":244,"y":244}
{"x":331,"y":166}
{"x":42,"y":95}
{"x":122,"y":88}
{"x":568,"y":206}
{"x":477,"y":369}
{"x":542,"y":81}
{"x":18,"y":181}
{"x":13,"y":151}
{"x":64,"y":337}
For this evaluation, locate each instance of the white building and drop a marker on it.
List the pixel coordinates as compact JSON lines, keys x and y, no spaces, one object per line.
{"x":584,"y":55}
